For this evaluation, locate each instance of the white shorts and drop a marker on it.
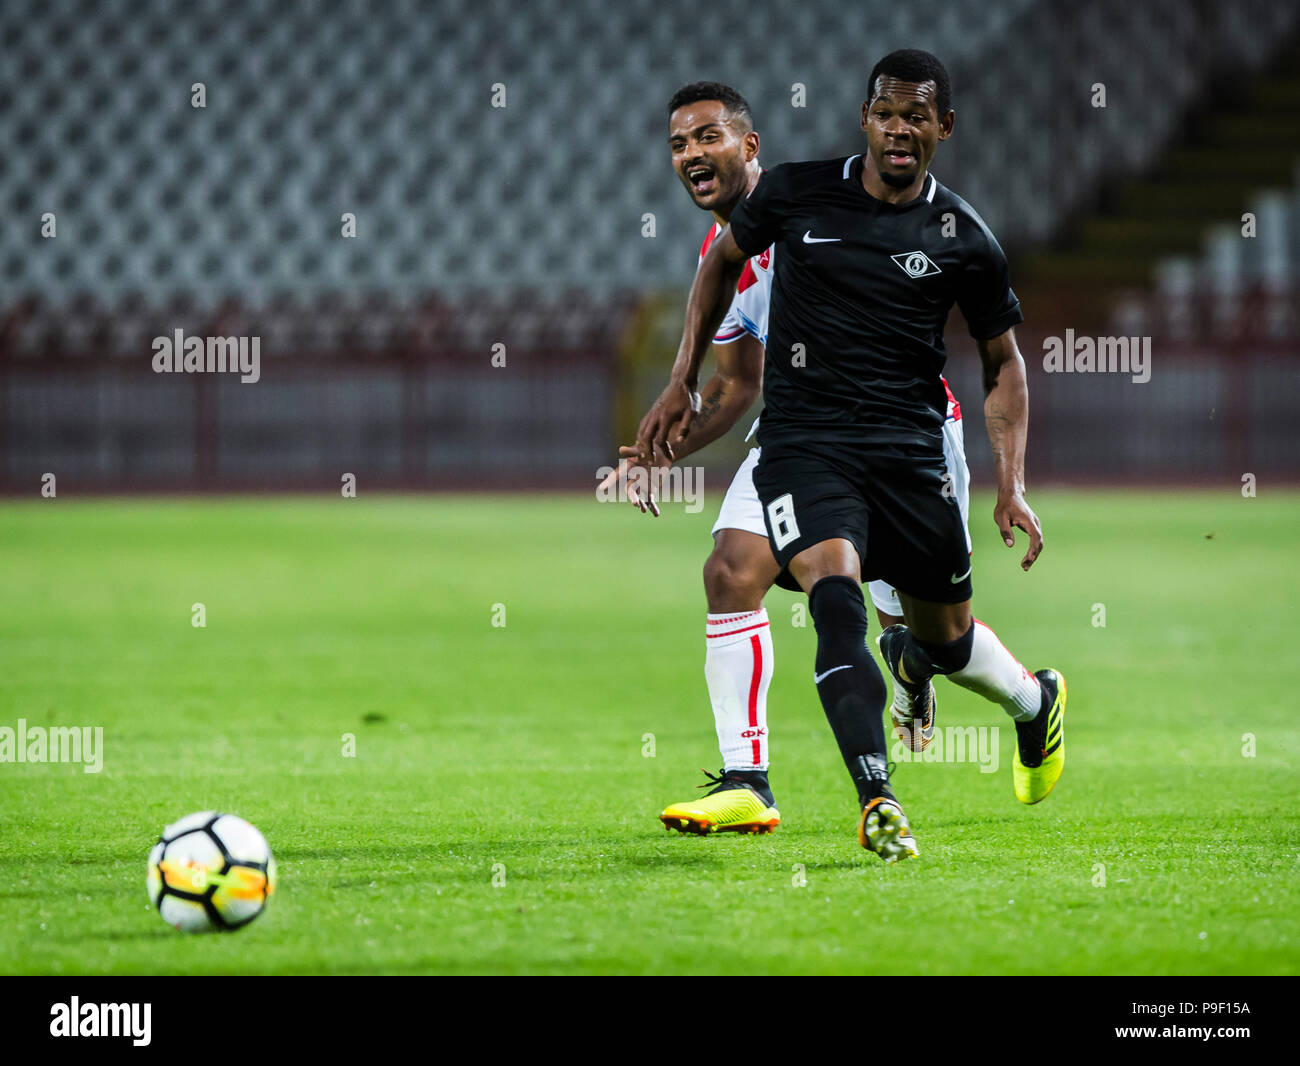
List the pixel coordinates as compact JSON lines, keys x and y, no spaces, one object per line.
{"x":741,"y":509}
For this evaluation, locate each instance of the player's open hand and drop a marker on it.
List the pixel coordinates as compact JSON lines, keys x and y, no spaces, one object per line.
{"x":1013,"y":513}
{"x":668,"y":419}
{"x":639,"y":488}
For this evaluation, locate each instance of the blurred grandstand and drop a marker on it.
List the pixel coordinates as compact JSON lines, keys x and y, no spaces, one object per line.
{"x":525,"y":225}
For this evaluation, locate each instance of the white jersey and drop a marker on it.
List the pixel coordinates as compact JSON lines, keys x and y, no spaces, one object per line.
{"x":748,"y":310}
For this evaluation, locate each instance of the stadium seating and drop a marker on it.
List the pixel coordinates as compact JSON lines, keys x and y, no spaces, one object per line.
{"x":385,"y":111}
{"x":1237,"y":286}
{"x":527,"y":224}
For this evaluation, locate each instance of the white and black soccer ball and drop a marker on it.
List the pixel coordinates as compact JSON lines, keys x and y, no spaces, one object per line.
{"x":210,"y":872}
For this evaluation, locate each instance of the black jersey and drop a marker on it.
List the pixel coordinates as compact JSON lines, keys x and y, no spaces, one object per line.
{"x":860,"y":295}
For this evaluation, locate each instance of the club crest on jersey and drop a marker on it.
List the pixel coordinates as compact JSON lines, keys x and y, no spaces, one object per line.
{"x":915,"y":264}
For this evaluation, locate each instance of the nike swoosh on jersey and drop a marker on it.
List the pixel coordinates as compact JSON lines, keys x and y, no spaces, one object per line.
{"x":819,"y":678}
{"x":961,"y":577}
{"x":808,"y":238}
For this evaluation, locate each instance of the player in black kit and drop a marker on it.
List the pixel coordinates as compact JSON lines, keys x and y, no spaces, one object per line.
{"x":873,"y":253}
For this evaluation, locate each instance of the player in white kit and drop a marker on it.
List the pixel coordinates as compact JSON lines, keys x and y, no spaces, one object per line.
{"x":715,"y":154}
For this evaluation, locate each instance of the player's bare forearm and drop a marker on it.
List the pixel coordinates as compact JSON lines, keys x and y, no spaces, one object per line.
{"x":671,"y":414}
{"x":1006,"y":417}
{"x":726,"y":396}
{"x":1006,"y":410}
{"x":722,"y":403}
{"x":711,"y":294}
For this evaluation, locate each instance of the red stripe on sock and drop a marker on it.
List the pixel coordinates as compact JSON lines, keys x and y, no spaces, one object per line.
{"x":754,"y":681}
{"x":715,"y":636}
{"x":732,"y":618}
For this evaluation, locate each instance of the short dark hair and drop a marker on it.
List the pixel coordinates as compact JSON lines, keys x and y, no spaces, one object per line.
{"x":911,"y":64}
{"x":737,"y":106}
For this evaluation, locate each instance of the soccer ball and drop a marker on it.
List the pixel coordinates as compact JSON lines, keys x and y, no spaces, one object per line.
{"x":210,"y":872}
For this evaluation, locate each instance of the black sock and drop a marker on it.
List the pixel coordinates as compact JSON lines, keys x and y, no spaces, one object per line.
{"x":850,"y":684}
{"x":922,"y":660}
{"x":870,"y":774}
{"x":755,"y":779}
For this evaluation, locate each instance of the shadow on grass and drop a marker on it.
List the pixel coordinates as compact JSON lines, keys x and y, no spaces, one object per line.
{"x":118,"y":935}
{"x":163,"y":932}
{"x":470,"y":860}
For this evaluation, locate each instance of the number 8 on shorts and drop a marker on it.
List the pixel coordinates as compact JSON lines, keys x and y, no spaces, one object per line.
{"x":780,"y":516}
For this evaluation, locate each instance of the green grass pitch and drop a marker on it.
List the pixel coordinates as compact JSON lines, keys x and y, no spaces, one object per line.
{"x":499,"y":813}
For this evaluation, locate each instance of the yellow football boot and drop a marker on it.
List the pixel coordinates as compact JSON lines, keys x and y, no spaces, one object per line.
{"x":1040,"y":743}
{"x":739,"y":802}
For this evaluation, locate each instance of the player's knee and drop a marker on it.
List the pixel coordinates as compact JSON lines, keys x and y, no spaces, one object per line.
{"x":837,"y":606}
{"x":730,"y":582}
{"x":717,"y":575}
{"x":951,"y":657}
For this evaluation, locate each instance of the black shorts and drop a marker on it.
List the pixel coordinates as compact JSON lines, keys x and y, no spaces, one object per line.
{"x":893,"y":502}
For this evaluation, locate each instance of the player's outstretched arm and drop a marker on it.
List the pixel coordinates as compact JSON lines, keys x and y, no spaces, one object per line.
{"x":1006,"y":415}
{"x":727,"y":395}
{"x":715,"y":283}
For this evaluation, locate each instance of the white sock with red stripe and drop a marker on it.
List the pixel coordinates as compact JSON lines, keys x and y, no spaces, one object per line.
{"x":738,"y":669}
{"x":994,"y":673}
